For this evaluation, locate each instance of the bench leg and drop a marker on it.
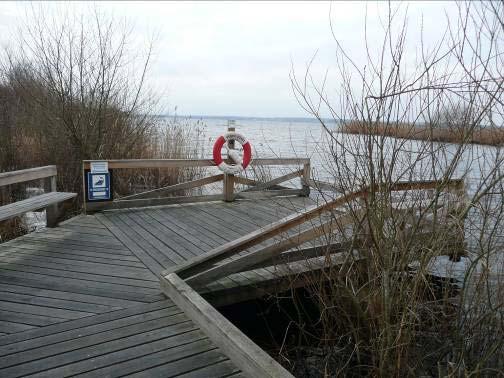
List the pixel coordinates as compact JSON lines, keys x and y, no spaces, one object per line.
{"x":52,"y":215}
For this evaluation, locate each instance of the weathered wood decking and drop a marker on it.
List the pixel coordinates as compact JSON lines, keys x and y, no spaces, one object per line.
{"x":84,"y":298}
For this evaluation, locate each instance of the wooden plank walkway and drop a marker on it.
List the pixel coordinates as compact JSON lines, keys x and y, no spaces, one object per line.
{"x":84,"y":298}
{"x":151,"y":340}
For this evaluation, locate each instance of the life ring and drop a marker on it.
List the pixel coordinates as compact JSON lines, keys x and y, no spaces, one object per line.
{"x":241,"y":164}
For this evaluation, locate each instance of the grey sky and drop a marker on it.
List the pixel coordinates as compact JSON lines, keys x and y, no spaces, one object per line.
{"x":234,"y":58}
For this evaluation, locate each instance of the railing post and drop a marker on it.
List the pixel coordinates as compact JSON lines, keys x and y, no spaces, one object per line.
{"x":229,"y":179}
{"x":84,"y":193}
{"x":305,"y":179}
{"x":228,"y":188}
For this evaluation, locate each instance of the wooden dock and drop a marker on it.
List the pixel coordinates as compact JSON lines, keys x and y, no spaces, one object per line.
{"x":131,"y":292}
{"x":85,"y":297}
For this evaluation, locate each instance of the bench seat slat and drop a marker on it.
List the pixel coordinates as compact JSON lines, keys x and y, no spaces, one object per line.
{"x":35,"y":203}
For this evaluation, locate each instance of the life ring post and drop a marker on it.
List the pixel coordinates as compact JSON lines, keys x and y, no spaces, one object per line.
{"x":228,"y":182}
{"x":235,"y":163}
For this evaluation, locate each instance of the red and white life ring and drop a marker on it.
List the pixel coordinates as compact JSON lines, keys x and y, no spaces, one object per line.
{"x":241,"y":163}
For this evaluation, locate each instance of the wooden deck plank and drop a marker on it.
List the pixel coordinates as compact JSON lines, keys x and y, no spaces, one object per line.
{"x":156,"y":236}
{"x":191,"y":236}
{"x":125,"y":255}
{"x":84,"y":229}
{"x":102,"y":235}
{"x":37,"y":292}
{"x":66,"y":258}
{"x":56,"y":274}
{"x":66,"y":304}
{"x":209,"y":229}
{"x":151,"y":263}
{"x":30,"y":319}
{"x":80,"y":267}
{"x":130,"y":327}
{"x":84,"y":326}
{"x":89,"y":347}
{"x":164,"y":231}
{"x":9,"y":327}
{"x":221,"y":369}
{"x":190,"y":216}
{"x":76,"y":285}
{"x":91,"y":243}
{"x":127,"y":361}
{"x":71,"y":246}
{"x":42,"y":310}
{"x":83,"y":219}
{"x":185,"y":365}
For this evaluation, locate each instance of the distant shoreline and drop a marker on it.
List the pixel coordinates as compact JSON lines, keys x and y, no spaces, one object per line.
{"x":485,"y":136}
{"x":247,"y":118}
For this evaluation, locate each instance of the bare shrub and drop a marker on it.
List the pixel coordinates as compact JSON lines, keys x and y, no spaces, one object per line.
{"x":399,"y":313}
{"x":77,"y":92}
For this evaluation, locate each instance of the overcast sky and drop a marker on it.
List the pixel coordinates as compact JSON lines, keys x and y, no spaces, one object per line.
{"x":234,"y":58}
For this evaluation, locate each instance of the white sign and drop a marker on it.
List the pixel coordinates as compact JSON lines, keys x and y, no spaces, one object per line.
{"x":99,"y":167}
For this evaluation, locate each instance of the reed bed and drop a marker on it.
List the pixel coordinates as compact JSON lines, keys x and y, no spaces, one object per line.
{"x":491,"y":136}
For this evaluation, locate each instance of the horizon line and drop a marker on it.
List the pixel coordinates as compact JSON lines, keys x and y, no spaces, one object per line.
{"x":235,"y":117}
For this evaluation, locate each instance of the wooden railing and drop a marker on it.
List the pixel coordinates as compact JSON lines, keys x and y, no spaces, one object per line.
{"x":209,"y":267}
{"x":153,"y":197}
{"x":49,"y":171}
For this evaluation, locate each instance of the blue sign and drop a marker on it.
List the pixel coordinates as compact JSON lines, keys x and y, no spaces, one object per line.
{"x":98,"y":186}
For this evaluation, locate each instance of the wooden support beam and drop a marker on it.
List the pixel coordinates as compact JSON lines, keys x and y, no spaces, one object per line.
{"x":250,"y":182}
{"x":278,"y":180}
{"x":247,"y":356}
{"x":174,"y":188}
{"x":245,"y":262}
{"x":245,"y":181}
{"x":285,"y":277}
{"x":300,"y":253}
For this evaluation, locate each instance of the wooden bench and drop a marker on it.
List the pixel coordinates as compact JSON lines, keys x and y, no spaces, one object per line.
{"x":48,"y":201}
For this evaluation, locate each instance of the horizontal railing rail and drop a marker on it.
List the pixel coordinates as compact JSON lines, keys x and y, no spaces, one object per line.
{"x":188,"y":163}
{"x":153,"y":197}
{"x":23,"y":175}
